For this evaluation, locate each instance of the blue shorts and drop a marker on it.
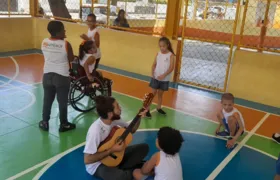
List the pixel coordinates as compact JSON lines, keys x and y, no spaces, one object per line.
{"x":278,"y":166}
{"x":161,"y":85}
{"x":227,"y":128}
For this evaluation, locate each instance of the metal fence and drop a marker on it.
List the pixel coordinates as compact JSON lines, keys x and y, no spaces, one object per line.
{"x":261,"y":25}
{"x":144,"y":16}
{"x":14,"y":7}
{"x":207,"y":43}
{"x":213,"y":30}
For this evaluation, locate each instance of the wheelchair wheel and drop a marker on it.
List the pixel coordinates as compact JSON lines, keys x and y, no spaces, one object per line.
{"x":82,"y":94}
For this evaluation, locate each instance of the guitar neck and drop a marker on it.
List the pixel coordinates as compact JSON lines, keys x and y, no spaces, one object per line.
{"x":131,"y":125}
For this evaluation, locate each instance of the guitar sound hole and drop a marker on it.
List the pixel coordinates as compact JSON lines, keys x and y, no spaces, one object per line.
{"x":118,"y":140}
{"x":113,"y":156}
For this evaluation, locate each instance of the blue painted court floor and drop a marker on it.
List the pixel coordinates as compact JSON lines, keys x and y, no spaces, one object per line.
{"x":200,"y":155}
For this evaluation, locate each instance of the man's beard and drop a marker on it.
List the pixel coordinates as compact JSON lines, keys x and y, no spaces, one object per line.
{"x":115,"y":117}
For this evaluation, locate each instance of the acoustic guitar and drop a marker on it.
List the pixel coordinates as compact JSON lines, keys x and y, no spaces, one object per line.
{"x":120,"y":134}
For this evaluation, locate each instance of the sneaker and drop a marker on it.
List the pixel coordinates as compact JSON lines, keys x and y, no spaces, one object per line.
{"x":148,"y":114}
{"x":161,"y":111}
{"x":67,"y":127}
{"x":275,"y":138}
{"x":224,"y":134}
{"x":44,"y":125}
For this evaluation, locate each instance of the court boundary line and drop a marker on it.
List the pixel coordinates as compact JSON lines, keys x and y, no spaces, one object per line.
{"x":166,"y":106}
{"x":53,"y":161}
{"x":17,"y":80}
{"x":185,"y":113}
{"x":31,"y":103}
{"x":193,"y":93}
{"x":231,"y":155}
{"x":20,"y":55}
{"x":15,"y":75}
{"x":50,"y":159}
{"x":176,"y":89}
{"x":189,"y":114}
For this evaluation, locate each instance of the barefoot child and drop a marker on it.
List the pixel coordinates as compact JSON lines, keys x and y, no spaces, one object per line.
{"x":93,"y":35}
{"x":231,"y":119}
{"x":165,"y":164}
{"x":161,"y":71}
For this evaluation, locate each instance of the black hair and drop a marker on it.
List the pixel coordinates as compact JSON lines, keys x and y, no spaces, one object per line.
{"x":168,"y":43}
{"x":92,"y":15}
{"x":55,"y":27}
{"x":104,"y":105}
{"x":119,"y":14}
{"x":169,"y":140}
{"x":228,"y":96}
{"x":84,"y":47}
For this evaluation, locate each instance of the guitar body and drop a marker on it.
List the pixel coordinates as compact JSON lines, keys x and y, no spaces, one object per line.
{"x":110,"y":141}
{"x":123,"y":134}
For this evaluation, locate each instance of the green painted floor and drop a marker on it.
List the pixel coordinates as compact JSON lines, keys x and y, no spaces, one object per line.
{"x":23,"y":144}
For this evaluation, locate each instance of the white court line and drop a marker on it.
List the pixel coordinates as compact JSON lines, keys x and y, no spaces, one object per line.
{"x":260,"y":151}
{"x":54,"y":160}
{"x":15,"y":75}
{"x":16,"y":80}
{"x":223,"y":164}
{"x":176,"y":89}
{"x":186,"y":113}
{"x":32,"y":168}
{"x":50,"y":161}
{"x":20,"y":55}
{"x":33,"y":98}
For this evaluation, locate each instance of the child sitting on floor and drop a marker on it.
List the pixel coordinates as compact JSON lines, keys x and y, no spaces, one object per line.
{"x":165,"y":164}
{"x":231,"y":119}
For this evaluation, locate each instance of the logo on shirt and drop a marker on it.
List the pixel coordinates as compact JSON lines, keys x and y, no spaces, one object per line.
{"x":51,"y":45}
{"x":102,"y":130}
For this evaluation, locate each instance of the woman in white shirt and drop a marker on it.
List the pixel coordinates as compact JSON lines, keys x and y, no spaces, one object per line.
{"x":58,"y":54}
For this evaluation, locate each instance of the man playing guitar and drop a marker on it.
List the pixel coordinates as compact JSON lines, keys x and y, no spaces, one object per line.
{"x":109,"y":111}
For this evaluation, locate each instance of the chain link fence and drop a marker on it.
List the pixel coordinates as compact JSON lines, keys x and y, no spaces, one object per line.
{"x":207,"y":44}
{"x":261,"y":25}
{"x":14,"y":7}
{"x":144,"y":16}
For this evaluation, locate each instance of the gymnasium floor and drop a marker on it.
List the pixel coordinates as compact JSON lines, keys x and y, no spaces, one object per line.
{"x":26,"y":152}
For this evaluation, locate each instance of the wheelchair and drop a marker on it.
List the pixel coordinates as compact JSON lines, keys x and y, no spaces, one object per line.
{"x":82,"y":92}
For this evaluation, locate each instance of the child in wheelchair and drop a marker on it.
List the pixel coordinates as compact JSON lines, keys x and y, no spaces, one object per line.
{"x":85,"y":66}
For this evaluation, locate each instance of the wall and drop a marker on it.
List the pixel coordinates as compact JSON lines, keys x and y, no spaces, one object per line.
{"x":255,"y":76}
{"x":16,"y":34}
{"x":123,"y":50}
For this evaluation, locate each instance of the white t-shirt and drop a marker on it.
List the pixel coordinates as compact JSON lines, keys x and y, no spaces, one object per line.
{"x":169,"y":167}
{"x":163,"y":64}
{"x":91,"y":34}
{"x":55,"y":55}
{"x":97,"y":133}
{"x":228,"y":114}
{"x":85,"y":58}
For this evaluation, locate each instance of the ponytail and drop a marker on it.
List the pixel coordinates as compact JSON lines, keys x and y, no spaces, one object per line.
{"x":168,"y":43}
